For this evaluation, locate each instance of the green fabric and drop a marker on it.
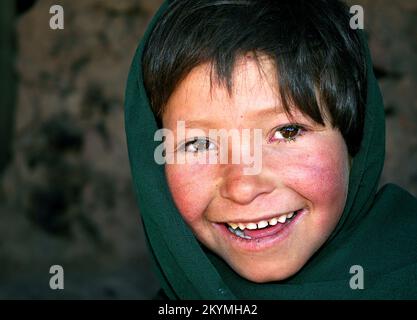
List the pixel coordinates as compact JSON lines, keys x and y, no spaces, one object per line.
{"x":378,"y":230}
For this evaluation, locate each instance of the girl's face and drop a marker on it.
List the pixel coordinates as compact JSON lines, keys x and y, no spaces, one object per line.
{"x":294,"y":202}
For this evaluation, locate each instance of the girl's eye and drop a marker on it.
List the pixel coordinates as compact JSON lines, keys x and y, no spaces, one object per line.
{"x":287,"y":133}
{"x":198,"y":145}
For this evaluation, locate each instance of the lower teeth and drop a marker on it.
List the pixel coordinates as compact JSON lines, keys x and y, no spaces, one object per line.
{"x":239,"y":233}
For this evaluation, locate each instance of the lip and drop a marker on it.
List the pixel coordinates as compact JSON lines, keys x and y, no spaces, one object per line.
{"x":259,"y":244}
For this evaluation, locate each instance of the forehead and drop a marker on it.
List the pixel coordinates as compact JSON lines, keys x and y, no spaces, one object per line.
{"x":201,"y":96}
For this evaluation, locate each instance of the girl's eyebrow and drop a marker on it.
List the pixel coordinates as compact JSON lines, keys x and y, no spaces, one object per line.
{"x":200,"y":123}
{"x":275,"y":110}
{"x":256,"y":114}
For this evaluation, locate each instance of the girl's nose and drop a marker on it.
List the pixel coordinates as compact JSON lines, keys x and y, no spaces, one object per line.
{"x":241,"y":188}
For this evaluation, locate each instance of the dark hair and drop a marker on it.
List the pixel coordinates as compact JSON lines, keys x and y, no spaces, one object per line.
{"x":311,"y":43}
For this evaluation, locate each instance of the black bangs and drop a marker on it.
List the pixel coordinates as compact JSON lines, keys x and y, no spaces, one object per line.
{"x":319,"y":59}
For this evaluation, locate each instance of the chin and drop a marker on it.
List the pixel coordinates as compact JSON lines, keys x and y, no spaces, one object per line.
{"x":261,"y":274}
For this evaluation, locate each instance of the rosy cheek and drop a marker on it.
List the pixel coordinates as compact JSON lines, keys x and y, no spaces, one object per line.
{"x":319,"y":174}
{"x":325,"y":184}
{"x":323,"y":180}
{"x":191,"y":188}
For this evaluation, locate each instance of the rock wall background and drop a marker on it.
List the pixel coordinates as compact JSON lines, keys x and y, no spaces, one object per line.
{"x":66,"y":198}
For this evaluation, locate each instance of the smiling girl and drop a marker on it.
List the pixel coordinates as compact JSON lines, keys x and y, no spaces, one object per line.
{"x":297,"y":72}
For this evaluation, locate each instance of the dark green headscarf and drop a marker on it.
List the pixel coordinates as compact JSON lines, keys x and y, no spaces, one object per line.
{"x":377,"y":231}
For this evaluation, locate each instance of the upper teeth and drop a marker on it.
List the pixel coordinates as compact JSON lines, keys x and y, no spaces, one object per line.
{"x":262,"y":224}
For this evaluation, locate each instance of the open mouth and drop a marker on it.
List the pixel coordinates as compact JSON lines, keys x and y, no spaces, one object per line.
{"x":264,"y":228}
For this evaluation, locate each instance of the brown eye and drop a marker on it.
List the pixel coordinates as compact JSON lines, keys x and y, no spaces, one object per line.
{"x":287,"y":133}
